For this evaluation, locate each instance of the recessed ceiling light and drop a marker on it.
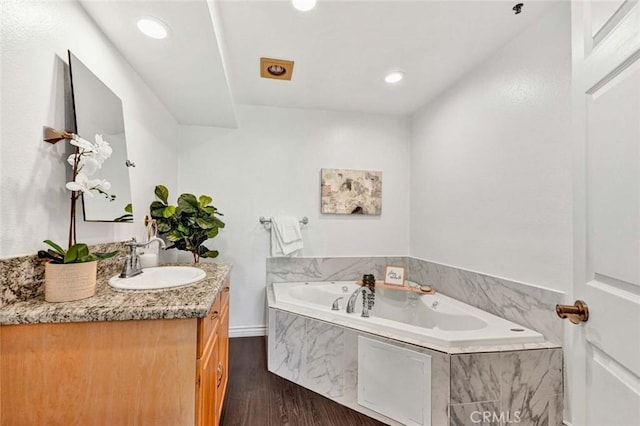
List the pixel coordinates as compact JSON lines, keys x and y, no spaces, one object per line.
{"x":279,"y":69}
{"x":153,"y":28}
{"x":394,"y":77}
{"x":276,"y":70}
{"x":304,"y":5}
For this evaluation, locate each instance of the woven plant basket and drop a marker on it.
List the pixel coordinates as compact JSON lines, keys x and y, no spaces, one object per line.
{"x":69,"y":282}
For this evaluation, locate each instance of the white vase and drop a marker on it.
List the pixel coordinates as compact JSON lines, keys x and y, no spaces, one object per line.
{"x":69,"y":282}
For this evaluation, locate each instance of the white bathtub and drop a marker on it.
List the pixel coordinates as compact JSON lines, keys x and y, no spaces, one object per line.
{"x":432,"y":320}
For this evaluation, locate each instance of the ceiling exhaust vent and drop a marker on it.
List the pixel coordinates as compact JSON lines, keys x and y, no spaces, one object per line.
{"x":276,"y":68}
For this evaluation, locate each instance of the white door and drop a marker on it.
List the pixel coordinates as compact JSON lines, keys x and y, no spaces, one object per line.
{"x":605,"y":375}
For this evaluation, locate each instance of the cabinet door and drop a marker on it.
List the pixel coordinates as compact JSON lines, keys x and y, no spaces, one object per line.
{"x":223,"y":357}
{"x":207,"y":385}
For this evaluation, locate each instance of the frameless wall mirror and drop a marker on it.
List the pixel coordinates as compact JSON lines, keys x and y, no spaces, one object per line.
{"x":98,"y":111}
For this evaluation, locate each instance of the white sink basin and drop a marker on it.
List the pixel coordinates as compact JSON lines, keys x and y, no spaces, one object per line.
{"x":159,"y":277}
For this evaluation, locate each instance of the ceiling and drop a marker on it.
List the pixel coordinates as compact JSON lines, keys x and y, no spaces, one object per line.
{"x":186,"y":69}
{"x":342,"y":51}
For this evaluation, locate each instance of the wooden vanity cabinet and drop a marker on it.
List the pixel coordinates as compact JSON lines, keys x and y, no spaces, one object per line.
{"x":146,"y":372}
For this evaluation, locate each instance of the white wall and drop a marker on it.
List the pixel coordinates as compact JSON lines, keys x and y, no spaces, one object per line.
{"x":271,"y":165}
{"x":491,"y":163}
{"x":33,"y":204}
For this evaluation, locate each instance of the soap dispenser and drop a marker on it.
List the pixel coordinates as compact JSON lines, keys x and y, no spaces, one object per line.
{"x":149,"y":255}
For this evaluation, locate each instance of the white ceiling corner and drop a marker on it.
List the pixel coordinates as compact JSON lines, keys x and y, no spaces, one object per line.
{"x":185,"y":70}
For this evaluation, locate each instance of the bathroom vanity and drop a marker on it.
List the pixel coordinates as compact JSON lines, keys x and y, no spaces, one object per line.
{"x":120,"y":357}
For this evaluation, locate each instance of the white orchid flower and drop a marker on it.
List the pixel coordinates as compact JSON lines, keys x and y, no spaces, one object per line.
{"x":86,"y":185}
{"x":71,"y":160}
{"x":81,"y":143}
{"x":90,"y":156}
{"x":102,"y":149}
{"x":88,"y":165}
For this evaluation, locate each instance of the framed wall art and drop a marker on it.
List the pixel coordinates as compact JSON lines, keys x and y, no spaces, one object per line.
{"x":351,"y":191}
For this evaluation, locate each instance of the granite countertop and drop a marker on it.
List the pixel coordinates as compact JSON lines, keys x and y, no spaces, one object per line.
{"x":109,"y":304}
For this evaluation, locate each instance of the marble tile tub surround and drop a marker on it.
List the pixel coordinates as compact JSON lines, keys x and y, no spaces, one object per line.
{"x":527,"y":384}
{"x":527,"y":305}
{"x":520,"y":387}
{"x":292,"y":269}
{"x":22,"y":278}
{"x":323,"y":357}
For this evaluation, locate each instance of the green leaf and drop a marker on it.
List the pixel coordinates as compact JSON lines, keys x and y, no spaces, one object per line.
{"x":72,"y":254}
{"x":124,"y":218}
{"x":199,"y":239}
{"x":168,"y":211}
{"x":83,"y":250}
{"x":211,"y":254}
{"x":183,"y":229}
{"x":55,"y":246}
{"x":55,"y":255}
{"x":162,"y":193}
{"x":164,"y":226}
{"x":174,"y":236}
{"x":212,"y":233}
{"x":188,"y":203}
{"x":219,"y":223}
{"x":205,"y":200}
{"x":189,"y":221}
{"x":106,"y":255}
{"x":156,"y":209}
{"x":205,"y":223}
{"x":46,"y":255}
{"x":87,"y":258}
{"x":128,"y":208}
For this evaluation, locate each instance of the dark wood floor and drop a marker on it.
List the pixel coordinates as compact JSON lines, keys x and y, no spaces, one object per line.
{"x":256,"y":397}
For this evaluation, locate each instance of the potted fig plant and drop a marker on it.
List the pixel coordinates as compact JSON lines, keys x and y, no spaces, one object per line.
{"x":71,"y":274}
{"x":188,"y":225}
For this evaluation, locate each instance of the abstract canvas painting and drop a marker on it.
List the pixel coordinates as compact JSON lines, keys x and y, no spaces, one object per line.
{"x":351,"y":191}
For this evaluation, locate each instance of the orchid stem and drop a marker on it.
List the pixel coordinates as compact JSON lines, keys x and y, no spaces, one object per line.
{"x":74,"y":197}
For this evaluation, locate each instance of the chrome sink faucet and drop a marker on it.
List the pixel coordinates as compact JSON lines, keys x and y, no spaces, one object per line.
{"x":131,"y":266}
{"x":368,"y":296}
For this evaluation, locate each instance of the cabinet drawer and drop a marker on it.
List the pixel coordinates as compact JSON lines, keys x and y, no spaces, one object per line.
{"x":224,"y":297}
{"x":224,"y":294}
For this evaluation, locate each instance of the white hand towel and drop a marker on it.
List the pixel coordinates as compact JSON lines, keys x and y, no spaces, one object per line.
{"x":286,"y":237}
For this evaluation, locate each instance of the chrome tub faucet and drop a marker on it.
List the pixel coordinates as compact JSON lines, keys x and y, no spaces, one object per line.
{"x":368,"y":298}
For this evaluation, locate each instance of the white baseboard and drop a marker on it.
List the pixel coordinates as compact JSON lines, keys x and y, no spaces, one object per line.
{"x":248,"y":331}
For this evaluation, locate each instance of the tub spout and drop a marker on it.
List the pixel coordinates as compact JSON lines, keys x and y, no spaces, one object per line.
{"x":367,"y":301}
{"x":336,"y":306}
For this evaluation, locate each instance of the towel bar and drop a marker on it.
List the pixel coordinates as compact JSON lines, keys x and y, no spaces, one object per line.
{"x":267,"y":222}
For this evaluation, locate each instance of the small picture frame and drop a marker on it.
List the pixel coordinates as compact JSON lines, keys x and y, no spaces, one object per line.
{"x":394,"y":275}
